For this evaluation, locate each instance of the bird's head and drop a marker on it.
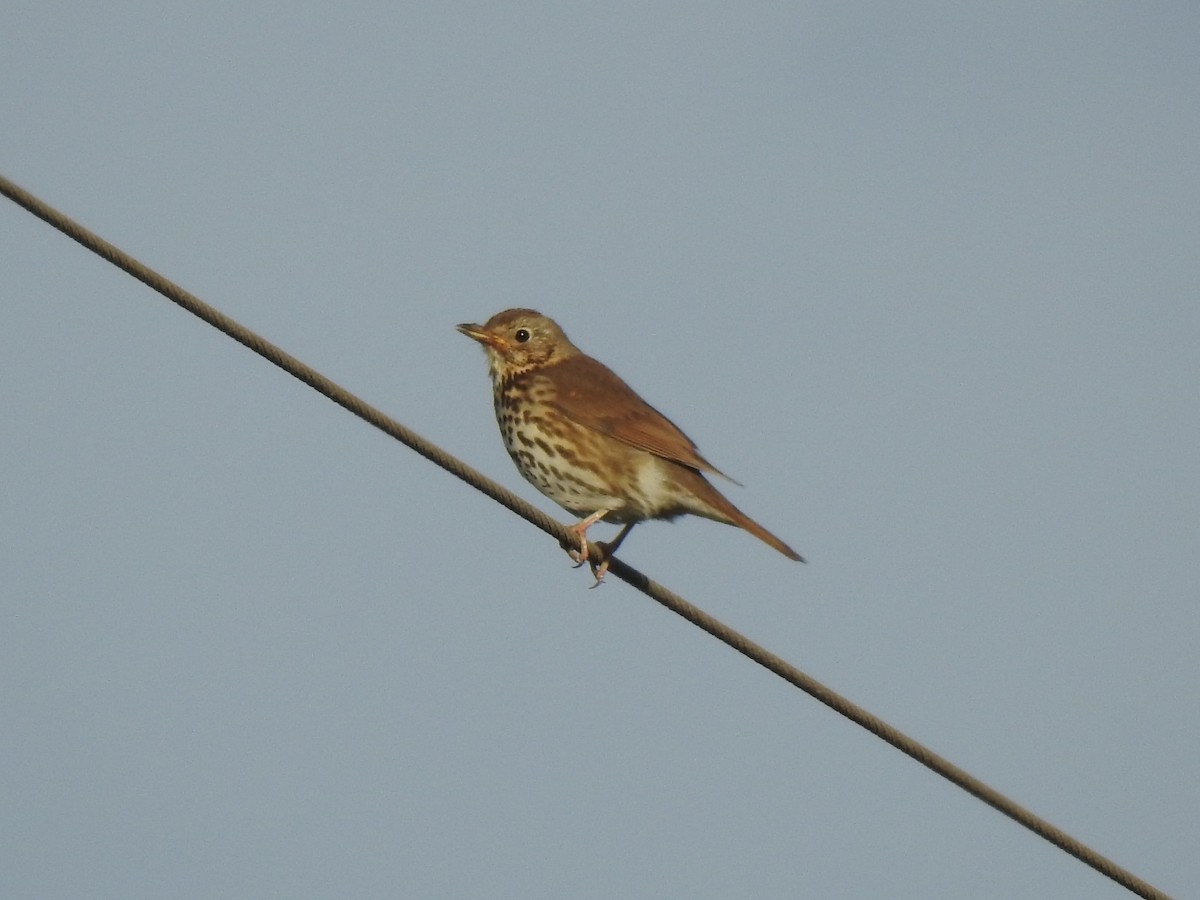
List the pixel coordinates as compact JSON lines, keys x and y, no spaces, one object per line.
{"x":518,"y":340}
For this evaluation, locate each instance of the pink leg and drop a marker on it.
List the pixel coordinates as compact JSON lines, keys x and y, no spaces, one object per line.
{"x":609,"y":549}
{"x":580,"y":528}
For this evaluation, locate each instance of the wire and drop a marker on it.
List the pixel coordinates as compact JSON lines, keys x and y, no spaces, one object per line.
{"x":567,"y":540}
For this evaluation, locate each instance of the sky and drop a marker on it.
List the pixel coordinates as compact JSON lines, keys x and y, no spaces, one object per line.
{"x":923,"y":278}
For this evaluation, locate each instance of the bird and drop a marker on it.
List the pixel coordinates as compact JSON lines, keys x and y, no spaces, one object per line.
{"x":586,"y":440}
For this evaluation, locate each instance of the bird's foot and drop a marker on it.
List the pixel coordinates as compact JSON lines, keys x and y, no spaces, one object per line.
{"x":604,"y":553}
{"x":600,"y":565}
{"x":582,"y":555}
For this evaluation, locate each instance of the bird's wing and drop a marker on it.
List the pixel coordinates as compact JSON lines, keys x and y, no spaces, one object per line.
{"x":592,"y":395}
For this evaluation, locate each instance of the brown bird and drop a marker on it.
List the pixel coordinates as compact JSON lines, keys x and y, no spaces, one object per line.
{"x":583,"y":438}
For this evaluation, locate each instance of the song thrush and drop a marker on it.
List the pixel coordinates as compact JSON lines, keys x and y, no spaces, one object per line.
{"x":583,"y":438}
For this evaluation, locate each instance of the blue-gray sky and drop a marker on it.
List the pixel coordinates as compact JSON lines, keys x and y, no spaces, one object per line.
{"x":924,"y":278}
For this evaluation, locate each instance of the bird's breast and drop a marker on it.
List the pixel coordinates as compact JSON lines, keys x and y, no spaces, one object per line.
{"x":578,"y":468}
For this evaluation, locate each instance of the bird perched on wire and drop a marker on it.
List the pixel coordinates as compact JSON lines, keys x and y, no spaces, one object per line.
{"x":587,"y":441}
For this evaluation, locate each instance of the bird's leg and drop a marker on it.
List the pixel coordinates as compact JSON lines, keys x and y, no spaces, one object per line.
{"x":580,"y":528}
{"x":608,"y":550}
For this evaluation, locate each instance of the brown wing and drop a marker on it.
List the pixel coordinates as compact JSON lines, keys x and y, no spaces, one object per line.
{"x":590,"y":394}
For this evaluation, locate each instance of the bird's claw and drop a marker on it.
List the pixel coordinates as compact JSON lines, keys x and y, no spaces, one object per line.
{"x":600,"y":567}
{"x":595,"y":555}
{"x":581,"y":555}
{"x":599,"y":558}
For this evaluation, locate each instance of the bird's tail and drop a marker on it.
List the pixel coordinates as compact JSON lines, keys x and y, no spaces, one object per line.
{"x":718,"y":508}
{"x":766,"y":537}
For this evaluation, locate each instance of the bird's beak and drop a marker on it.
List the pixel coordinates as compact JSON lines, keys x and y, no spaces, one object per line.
{"x":478,"y":333}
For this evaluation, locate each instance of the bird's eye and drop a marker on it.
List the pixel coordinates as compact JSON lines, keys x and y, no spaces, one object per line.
{"x":522,"y":335}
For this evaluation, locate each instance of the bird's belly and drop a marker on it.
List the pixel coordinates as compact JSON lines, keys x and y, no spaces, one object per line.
{"x":581,"y":470}
{"x":557,"y":468}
